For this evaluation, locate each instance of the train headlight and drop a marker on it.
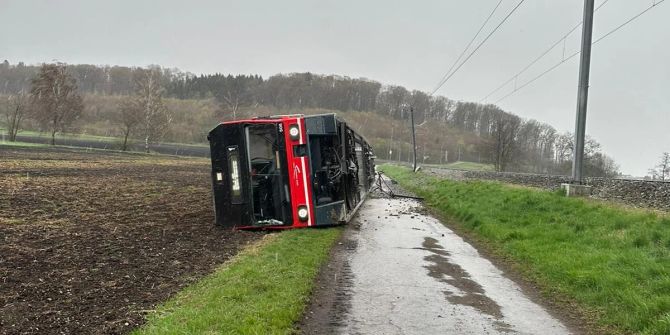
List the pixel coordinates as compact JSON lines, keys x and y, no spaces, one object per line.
{"x":303,"y":213}
{"x":294,"y":132}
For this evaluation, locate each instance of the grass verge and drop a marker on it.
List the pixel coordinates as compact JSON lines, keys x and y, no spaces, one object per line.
{"x":262,"y":291}
{"x":469,"y":166}
{"x":22,"y":144}
{"x":612,"y":262}
{"x":93,"y":138}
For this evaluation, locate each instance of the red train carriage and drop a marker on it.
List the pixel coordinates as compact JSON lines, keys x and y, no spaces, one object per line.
{"x":288,"y":171}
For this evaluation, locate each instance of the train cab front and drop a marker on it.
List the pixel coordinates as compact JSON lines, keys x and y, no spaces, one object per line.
{"x":256,"y":174}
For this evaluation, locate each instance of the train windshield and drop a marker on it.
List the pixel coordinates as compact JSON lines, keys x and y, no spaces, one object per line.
{"x":265,"y":165}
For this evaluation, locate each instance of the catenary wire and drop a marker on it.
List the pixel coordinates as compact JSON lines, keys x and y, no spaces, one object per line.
{"x":471,"y":41}
{"x":544,"y":53}
{"x":477,"y":48}
{"x":578,"y":52}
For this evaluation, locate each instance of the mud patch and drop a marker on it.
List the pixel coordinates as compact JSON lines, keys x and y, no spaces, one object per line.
{"x":469,"y":293}
{"x":96,"y":240}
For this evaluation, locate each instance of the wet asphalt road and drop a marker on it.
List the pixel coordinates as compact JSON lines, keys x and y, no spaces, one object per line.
{"x":412,"y":275}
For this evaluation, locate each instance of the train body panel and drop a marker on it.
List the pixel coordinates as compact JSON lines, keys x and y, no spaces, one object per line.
{"x":288,"y":172}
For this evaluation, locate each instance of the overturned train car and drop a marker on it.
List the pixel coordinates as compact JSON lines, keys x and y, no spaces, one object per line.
{"x":288,"y":172}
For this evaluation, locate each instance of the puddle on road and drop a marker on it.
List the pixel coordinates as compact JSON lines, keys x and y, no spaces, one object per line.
{"x":471,"y":293}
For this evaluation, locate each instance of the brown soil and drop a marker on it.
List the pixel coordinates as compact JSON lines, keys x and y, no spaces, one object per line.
{"x":92,"y":241}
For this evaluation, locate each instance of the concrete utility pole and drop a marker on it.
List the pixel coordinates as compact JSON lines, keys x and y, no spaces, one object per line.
{"x":411,"y":111}
{"x":583,"y":92}
{"x":576,"y":187}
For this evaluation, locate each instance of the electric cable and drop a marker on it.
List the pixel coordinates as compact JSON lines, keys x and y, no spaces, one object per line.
{"x":544,"y":53}
{"x":446,"y":79}
{"x":578,"y":52}
{"x":471,"y":41}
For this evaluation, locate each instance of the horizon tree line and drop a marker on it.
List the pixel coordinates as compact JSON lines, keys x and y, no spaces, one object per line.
{"x":54,"y":101}
{"x":507,"y":141}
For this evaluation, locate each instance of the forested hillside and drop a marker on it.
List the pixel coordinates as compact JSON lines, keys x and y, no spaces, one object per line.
{"x":448,"y":130}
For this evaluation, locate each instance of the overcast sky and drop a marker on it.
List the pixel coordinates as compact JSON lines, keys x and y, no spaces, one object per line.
{"x":410,"y":43}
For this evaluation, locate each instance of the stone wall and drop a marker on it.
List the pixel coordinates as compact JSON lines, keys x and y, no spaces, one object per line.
{"x":638,"y":193}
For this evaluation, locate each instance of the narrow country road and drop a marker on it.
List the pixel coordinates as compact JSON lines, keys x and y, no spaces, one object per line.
{"x":412,"y":275}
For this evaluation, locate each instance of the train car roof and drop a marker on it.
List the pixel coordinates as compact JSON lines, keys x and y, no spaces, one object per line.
{"x":275,"y":118}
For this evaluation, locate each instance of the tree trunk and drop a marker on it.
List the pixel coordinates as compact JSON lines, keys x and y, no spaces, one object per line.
{"x":53,"y":137}
{"x":146,"y":143}
{"x":12,"y":132}
{"x":10,"y":128}
{"x":125,"y":140}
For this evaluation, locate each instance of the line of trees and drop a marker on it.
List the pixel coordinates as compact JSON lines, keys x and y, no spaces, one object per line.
{"x":53,"y":100}
{"x":506,"y":140}
{"x":94,"y":79}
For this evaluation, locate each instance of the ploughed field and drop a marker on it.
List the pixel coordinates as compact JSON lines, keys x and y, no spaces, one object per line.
{"x":92,"y":241}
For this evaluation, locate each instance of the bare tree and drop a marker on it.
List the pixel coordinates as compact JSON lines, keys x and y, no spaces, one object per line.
{"x":236,"y":93}
{"x":55,"y":98}
{"x":563,"y":147}
{"x":129,"y":116}
{"x":15,"y":110}
{"x":154,"y":116}
{"x":504,"y":133}
{"x":662,"y":170}
{"x":548,"y":139}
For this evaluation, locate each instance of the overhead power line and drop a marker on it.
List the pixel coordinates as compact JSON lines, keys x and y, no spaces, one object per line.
{"x":656,"y":3}
{"x":516,"y":89}
{"x":539,"y":76}
{"x":542,"y":55}
{"x":470,"y":43}
{"x":447,"y":77}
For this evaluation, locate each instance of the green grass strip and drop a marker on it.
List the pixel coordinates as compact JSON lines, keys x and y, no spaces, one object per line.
{"x":94,"y":138}
{"x":263,"y":290}
{"x":612,"y":261}
{"x":464,"y":166}
{"x":22,"y":144}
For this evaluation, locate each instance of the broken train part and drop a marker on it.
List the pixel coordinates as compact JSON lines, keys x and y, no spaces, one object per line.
{"x":387,"y":190}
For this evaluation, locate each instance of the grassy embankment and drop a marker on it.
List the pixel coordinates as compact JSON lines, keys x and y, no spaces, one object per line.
{"x":462,"y":165}
{"x":614,"y":263}
{"x":469,"y":166}
{"x":262,"y":291}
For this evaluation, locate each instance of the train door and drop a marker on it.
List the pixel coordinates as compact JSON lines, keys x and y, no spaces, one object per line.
{"x":266,"y":166}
